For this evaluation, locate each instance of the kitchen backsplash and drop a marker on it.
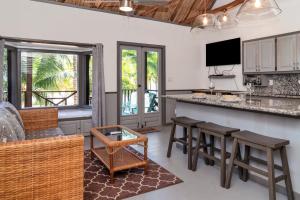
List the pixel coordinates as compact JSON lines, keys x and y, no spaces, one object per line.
{"x":283,"y":85}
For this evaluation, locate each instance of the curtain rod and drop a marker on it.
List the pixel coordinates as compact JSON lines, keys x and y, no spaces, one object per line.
{"x":16,"y":39}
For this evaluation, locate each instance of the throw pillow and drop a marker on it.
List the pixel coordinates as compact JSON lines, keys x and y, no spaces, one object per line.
{"x":14,"y":125}
{"x":7,"y":133}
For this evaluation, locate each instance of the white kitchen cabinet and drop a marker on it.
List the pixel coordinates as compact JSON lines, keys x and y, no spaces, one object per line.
{"x":70,"y":127}
{"x":286,"y":52}
{"x":250,"y":56}
{"x":259,"y":56}
{"x":266,"y":60}
{"x":297,"y":59}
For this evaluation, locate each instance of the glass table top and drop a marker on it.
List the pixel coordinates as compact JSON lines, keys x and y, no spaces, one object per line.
{"x":117,"y":133}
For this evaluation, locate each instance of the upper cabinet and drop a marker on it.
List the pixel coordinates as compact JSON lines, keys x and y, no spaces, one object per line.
{"x":297,"y":52}
{"x":276,"y":54}
{"x":266,"y":62}
{"x":286,"y":52}
{"x":259,"y":56}
{"x":250,"y":56}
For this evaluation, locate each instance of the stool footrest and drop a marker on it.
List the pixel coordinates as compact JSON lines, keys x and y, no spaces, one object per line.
{"x":180,"y":141}
{"x":261,"y":161}
{"x":209,"y":156}
{"x":280,"y":178}
{"x":248,"y":167}
{"x":219,"y":150}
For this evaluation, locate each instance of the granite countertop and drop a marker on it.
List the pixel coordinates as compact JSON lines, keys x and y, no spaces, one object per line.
{"x":254,"y":94}
{"x":272,"y":105}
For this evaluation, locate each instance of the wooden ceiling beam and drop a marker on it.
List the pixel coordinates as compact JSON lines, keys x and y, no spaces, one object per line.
{"x":191,"y":10}
{"x":174,"y":7}
{"x":184,"y":10}
{"x":149,"y":11}
{"x":198,"y":9}
{"x":178,"y":11}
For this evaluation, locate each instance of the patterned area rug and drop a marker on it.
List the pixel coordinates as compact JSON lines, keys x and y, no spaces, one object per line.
{"x":126,"y":184}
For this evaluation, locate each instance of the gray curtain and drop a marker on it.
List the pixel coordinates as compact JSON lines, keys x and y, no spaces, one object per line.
{"x":98,"y":100}
{"x":2,"y":43}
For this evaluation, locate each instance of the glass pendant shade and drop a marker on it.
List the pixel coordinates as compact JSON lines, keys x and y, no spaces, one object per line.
{"x":258,"y":9}
{"x":126,"y":5}
{"x":204,"y":21}
{"x":224,"y":20}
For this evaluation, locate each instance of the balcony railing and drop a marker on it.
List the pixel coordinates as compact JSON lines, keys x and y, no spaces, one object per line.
{"x":50,"y":98}
{"x":129,"y":101}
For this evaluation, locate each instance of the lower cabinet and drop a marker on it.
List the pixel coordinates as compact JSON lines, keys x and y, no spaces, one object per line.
{"x":76,"y":126}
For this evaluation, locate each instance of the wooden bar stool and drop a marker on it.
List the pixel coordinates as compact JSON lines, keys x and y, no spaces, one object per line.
{"x":187,"y":140}
{"x":269,"y":145}
{"x":214,"y":131}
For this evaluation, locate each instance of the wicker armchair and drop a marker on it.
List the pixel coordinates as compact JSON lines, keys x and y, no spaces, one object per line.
{"x":50,"y":168}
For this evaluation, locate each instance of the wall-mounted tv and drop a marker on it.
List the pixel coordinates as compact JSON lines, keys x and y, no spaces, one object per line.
{"x":226,"y":52}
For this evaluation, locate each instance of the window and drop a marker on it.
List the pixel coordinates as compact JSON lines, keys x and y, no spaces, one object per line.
{"x":151,"y":81}
{"x":49,"y":79}
{"x":5,"y":76}
{"x":129,"y":79}
{"x":47,"y":75}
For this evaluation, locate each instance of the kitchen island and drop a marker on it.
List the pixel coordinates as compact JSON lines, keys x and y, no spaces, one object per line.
{"x":275,"y":117}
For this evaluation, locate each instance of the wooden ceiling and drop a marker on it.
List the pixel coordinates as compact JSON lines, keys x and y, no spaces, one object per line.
{"x":181,"y":12}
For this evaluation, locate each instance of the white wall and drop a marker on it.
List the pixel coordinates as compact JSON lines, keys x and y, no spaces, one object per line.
{"x":288,"y":21}
{"x":185,"y":50}
{"x":29,"y":19}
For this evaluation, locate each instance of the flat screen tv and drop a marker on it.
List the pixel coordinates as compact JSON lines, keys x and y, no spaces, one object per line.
{"x":226,"y":52}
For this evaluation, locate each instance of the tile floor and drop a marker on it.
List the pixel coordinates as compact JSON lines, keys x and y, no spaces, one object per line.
{"x":202,"y":184}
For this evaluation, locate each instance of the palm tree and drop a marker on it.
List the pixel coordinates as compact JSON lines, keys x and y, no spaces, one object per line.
{"x":152,"y":69}
{"x":48,"y":72}
{"x":129,"y":70}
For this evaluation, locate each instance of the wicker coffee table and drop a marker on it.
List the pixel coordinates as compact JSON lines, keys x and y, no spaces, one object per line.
{"x":115,"y":154}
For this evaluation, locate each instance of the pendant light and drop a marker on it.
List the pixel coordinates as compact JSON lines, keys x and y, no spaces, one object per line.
{"x":126,"y":5}
{"x":204,"y":20}
{"x":225,"y":20}
{"x":258,"y":9}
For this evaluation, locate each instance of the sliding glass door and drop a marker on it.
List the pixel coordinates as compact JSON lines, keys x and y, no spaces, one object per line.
{"x":139,"y":88}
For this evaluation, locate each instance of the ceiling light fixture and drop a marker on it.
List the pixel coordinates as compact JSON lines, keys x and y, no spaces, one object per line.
{"x":258,"y":9}
{"x":204,"y":20}
{"x":126,"y":5}
{"x":225,"y":20}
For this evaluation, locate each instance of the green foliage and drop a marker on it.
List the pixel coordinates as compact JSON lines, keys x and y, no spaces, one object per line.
{"x":50,"y":72}
{"x":129,"y":69}
{"x":152,"y":69}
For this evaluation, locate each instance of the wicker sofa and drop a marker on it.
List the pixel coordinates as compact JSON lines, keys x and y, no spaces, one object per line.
{"x":47,"y":168}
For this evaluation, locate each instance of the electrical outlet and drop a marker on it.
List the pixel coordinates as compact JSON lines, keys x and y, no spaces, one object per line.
{"x":271,"y":82}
